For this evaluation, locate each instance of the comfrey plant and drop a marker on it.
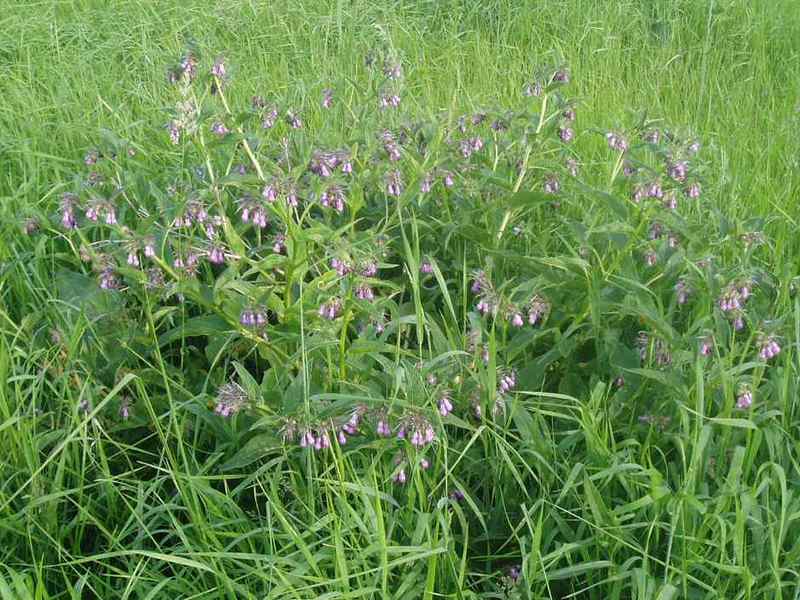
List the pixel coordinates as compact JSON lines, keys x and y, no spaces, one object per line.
{"x":316,"y":276}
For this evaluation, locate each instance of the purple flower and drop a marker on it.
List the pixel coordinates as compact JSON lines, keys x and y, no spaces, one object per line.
{"x":654,"y":190}
{"x":382,"y":429}
{"x":108,"y":280}
{"x":537,"y":309}
{"x":671,"y":200}
{"x":652,"y":137}
{"x":769,"y":348}
{"x":677,"y":170}
{"x":616,"y":141}
{"x":91,"y":158}
{"x":333,"y":197}
{"x":330,"y":309}
{"x":745,"y":399}
{"x":188,"y":67}
{"x":693,"y":190}
{"x":270,"y":192}
{"x":216,"y":255}
{"x":218,"y":128}
{"x":327,"y":98}
{"x":369,"y":268}
{"x":551,"y":185}
{"x":231,"y":398}
{"x":516,"y":320}
{"x":394,"y":183}
{"x":293,"y":120}
{"x":706,"y":346}
{"x":269,"y":118}
{"x":445,"y":405}
{"x":400,"y":477}
{"x":69,"y":202}
{"x":218,"y":69}
{"x":566,"y":134}
{"x":508,"y":381}
{"x":341,"y":267}
{"x":448,"y":179}
{"x":133,"y":258}
{"x":364,"y":292}
{"x":280,"y":243}
{"x":426,"y":268}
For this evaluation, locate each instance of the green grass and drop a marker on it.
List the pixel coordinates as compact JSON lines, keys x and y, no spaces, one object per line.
{"x":589,"y":504}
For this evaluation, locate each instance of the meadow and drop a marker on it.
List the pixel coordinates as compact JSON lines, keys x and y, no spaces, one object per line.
{"x":404,"y":299}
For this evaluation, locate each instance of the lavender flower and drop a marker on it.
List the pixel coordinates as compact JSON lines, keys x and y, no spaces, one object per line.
{"x":654,"y":190}
{"x":216,"y":255}
{"x":538,"y":309}
{"x":745,"y":399}
{"x":334,"y":197}
{"x":677,"y":170}
{"x":231,"y":398}
{"x":425,"y":267}
{"x":706,"y":346}
{"x":218,"y":69}
{"x":279,"y":245}
{"x":566,"y":134}
{"x":394,"y":183}
{"x":219,"y":129}
{"x":269,"y":118}
{"x":419,"y":430}
{"x":652,"y":137}
{"x":91,"y":158}
{"x":445,"y":404}
{"x":508,"y":381}
{"x":383,"y":429}
{"x":769,"y":348}
{"x":364,"y":292}
{"x":174,"y":132}
{"x":331,"y":309}
{"x":551,"y":185}
{"x":293,"y":120}
{"x":400,"y":477}
{"x":693,"y":190}
{"x":69,"y":202}
{"x":108,"y":279}
{"x":327,"y":98}
{"x":616,"y":141}
{"x":124,"y":409}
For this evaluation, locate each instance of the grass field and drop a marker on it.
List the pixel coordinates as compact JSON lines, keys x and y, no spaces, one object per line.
{"x":579,"y":487}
